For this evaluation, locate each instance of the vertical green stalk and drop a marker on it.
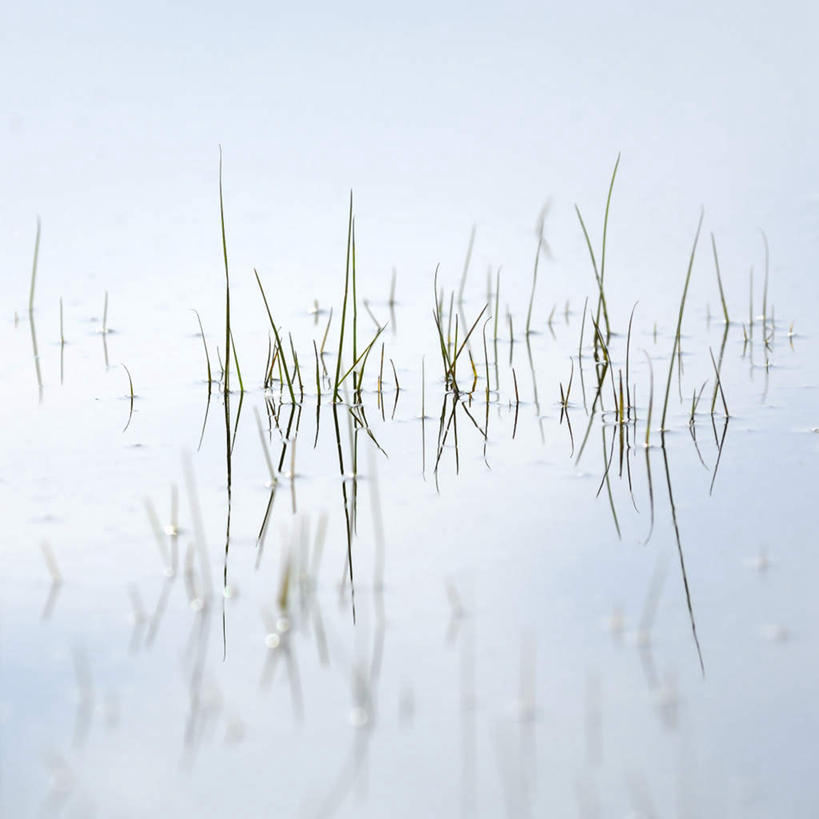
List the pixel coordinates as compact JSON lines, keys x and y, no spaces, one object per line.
{"x":318,"y":375}
{"x":355,"y":302}
{"x":205,"y":344}
{"x":534,"y":280}
{"x":606,"y":220}
{"x":236,"y":361}
{"x":719,"y":281}
{"x":680,"y":318}
{"x":279,"y":347}
{"x":34,"y":267}
{"x":751,"y":303}
{"x":344,"y":304}
{"x":650,"y":398}
{"x":227,"y":279}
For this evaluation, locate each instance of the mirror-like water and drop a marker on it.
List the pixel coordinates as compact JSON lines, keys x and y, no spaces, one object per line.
{"x":542,"y":613}
{"x":472,"y":589}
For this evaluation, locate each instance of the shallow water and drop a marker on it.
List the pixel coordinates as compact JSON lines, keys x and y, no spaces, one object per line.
{"x":513,"y":640}
{"x":501,"y":648}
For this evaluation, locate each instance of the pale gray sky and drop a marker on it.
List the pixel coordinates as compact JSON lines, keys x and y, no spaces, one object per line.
{"x":439,"y":115}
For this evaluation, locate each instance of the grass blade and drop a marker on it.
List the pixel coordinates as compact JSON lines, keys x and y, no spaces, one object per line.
{"x":34,"y":267}
{"x":680,"y":318}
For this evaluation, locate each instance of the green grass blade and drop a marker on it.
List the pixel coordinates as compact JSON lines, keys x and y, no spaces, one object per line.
{"x":719,"y":281}
{"x":34,"y":267}
{"x":680,"y":318}
{"x":227,"y":279}
{"x":282,"y":359}
{"x":205,"y":344}
{"x":363,"y":357}
{"x":236,"y":361}
{"x":344,"y":304}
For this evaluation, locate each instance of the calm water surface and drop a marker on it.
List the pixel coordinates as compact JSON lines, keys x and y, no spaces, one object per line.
{"x":529,"y":630}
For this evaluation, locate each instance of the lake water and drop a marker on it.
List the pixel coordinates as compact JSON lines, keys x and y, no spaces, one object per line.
{"x":502,"y":641}
{"x":434,"y":605}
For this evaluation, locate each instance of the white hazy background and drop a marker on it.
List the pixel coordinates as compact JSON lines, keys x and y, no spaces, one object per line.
{"x":438,"y":115}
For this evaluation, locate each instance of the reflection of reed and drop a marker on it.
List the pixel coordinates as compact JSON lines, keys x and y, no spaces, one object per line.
{"x":682,"y":559}
{"x":348,"y":518}
{"x":36,"y":355}
{"x":56,"y":580}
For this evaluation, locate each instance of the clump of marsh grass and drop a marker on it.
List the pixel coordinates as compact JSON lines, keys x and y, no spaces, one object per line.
{"x":450,"y":360}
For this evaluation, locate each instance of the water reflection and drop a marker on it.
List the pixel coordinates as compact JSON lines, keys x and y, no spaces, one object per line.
{"x":393,"y":682}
